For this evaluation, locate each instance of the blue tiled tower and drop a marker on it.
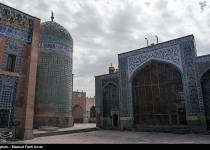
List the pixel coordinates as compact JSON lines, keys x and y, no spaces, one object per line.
{"x":53,"y":101}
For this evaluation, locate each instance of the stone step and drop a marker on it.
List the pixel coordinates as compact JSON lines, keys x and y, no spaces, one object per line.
{"x":181,"y":131}
{"x":163,"y":129}
{"x":48,"y":128}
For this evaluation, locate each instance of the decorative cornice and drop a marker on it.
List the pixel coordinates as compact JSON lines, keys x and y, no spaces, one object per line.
{"x":16,"y":19}
{"x":156,"y":47}
{"x":169,"y":54}
{"x":203,"y":58}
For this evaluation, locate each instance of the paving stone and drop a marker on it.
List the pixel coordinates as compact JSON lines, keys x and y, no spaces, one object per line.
{"x":115,"y":137}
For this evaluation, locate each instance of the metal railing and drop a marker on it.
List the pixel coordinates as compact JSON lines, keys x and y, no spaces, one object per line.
{"x":3,"y":137}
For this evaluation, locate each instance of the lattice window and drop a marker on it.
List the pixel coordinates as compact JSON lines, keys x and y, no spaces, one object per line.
{"x":158,"y":96}
{"x":6,"y":98}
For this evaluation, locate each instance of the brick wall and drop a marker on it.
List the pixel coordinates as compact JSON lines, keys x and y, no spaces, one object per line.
{"x":30,"y":84}
{"x":2,"y":44}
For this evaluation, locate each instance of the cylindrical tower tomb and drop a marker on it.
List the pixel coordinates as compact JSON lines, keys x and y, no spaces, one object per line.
{"x":53,"y":100}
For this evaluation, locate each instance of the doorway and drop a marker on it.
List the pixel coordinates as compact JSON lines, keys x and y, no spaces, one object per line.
{"x":4,"y":118}
{"x":115,"y":120}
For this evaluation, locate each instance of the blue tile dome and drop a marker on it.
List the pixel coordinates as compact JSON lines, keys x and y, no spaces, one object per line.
{"x":53,"y":32}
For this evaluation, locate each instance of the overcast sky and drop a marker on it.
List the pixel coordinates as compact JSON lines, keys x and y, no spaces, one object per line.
{"x":101,"y":29}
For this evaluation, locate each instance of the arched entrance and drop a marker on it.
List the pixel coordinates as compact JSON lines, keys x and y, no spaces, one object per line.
{"x":92,"y":112}
{"x":78,"y":114}
{"x":110,"y":103}
{"x":158,"y":96}
{"x":205,"y":83}
{"x":110,"y":99}
{"x":115,"y":120}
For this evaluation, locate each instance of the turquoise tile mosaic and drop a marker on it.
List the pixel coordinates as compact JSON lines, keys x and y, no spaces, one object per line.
{"x":54,"y":70}
{"x":53,"y":32}
{"x":15,"y":25}
{"x":179,"y":53}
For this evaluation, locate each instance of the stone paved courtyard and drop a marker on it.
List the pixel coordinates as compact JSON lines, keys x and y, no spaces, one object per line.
{"x":118,"y":137}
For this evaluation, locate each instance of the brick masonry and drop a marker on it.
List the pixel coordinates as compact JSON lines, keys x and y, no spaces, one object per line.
{"x":22,"y":40}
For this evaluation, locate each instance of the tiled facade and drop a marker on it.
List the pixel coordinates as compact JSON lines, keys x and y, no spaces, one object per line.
{"x":54,"y":73}
{"x":12,"y":48}
{"x":39,"y":90}
{"x":19,"y":34}
{"x":179,"y":53}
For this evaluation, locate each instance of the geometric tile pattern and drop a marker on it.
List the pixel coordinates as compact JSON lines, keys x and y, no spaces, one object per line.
{"x":110,"y":99}
{"x":112,"y":78}
{"x":54,"y":82}
{"x":51,"y":27}
{"x":179,"y":53}
{"x":123,"y":88}
{"x":54,"y":68}
{"x":173,"y":52}
{"x":12,"y":48}
{"x":100,"y":83}
{"x":53,"y":32}
{"x":192,"y":85}
{"x":203,"y":63}
{"x":8,"y":87}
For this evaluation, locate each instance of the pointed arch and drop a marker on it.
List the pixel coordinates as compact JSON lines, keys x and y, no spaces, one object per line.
{"x":158,"y":96}
{"x":110,"y":99}
{"x":92,"y":112}
{"x":77,"y":112}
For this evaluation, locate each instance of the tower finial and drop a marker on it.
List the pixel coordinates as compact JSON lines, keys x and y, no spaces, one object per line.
{"x":52,"y":16}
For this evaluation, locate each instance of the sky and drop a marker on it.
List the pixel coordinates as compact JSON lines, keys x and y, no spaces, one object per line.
{"x":102,"y":29}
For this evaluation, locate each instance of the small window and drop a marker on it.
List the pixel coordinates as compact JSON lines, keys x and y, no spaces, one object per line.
{"x":11,"y":63}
